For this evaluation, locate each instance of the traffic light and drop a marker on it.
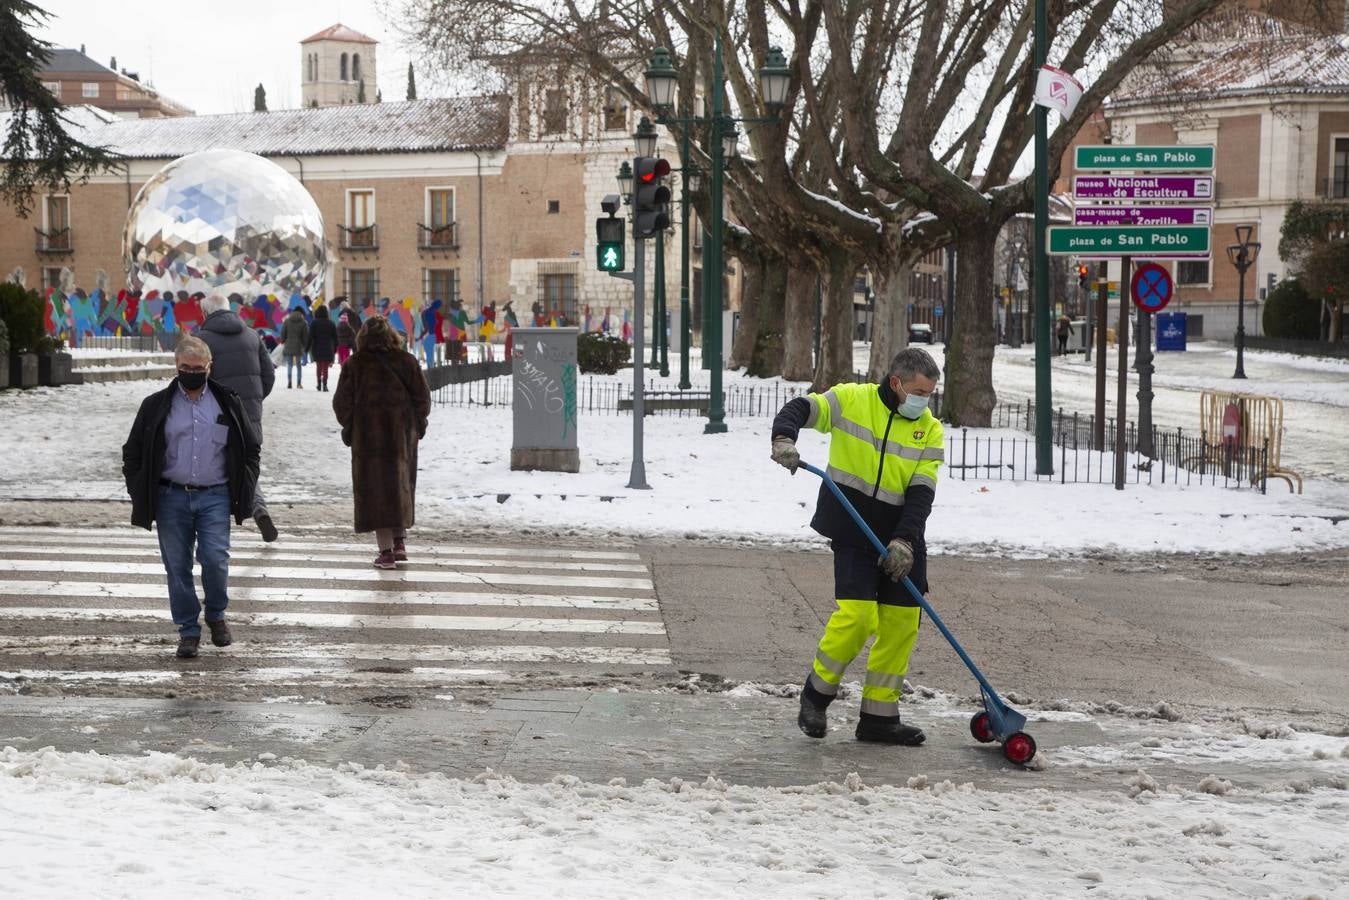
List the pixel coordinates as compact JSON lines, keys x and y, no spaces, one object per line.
{"x":650,"y":198}
{"x":609,"y":248}
{"x":1082,"y":276}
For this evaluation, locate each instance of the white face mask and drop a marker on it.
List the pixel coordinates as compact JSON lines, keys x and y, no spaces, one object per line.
{"x":913,"y":405}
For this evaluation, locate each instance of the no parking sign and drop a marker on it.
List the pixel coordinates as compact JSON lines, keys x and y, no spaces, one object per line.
{"x":1151,"y":287}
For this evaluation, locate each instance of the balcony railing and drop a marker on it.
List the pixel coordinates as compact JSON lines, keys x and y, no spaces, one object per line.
{"x":57,"y":240}
{"x":438,"y":237}
{"x":361,"y":237}
{"x":1334,"y":189}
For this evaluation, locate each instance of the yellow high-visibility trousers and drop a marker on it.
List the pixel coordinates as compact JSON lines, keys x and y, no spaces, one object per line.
{"x":849,"y":628}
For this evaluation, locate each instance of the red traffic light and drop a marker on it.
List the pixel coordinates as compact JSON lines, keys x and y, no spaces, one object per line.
{"x":1081,"y":271}
{"x":651,"y":168}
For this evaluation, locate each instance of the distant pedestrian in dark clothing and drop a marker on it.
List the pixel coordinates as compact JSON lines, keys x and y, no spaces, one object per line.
{"x":295,"y":338}
{"x":346,"y":336}
{"x":1064,"y":331}
{"x":322,"y":344}
{"x":382,"y":403}
{"x":191,"y":462}
{"x":241,"y":362}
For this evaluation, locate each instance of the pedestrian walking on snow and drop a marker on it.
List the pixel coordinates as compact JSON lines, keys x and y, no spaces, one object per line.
{"x":346,"y":337}
{"x":190,"y":462}
{"x":382,"y":403}
{"x":885,"y":449}
{"x":1064,"y":331}
{"x":322,"y":345}
{"x":241,"y":362}
{"x":294,"y":342}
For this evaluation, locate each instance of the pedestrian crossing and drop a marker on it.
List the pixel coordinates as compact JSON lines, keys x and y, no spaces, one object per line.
{"x":85,"y":610}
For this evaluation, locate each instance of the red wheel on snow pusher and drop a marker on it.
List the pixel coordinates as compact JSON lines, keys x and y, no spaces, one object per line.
{"x":981,"y":726}
{"x":1019,"y":748}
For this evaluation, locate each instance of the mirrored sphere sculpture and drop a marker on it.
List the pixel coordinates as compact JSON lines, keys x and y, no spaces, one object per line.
{"x":227,"y":221}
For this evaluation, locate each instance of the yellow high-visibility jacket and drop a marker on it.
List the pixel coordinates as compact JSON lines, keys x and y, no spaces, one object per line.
{"x":885,"y":464}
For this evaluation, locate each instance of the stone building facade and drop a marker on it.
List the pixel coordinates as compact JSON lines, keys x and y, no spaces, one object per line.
{"x":338,"y":65}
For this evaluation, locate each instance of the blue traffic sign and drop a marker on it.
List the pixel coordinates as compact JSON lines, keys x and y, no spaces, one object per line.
{"x":1151,"y":287}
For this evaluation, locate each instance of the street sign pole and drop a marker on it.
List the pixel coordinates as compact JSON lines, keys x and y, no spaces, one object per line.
{"x":1102,"y":319}
{"x":637,"y":477}
{"x":1044,"y":398}
{"x":1122,"y":392}
{"x":1145,"y":370}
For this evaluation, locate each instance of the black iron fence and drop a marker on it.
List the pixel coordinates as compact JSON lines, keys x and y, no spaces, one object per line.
{"x":1177,"y":456}
{"x":1333,"y":349}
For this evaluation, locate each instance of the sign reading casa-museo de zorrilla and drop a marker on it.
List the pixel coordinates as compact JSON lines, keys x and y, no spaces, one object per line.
{"x":1122,"y":213}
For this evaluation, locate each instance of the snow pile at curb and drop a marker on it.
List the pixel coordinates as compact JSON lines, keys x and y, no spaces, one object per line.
{"x":294,"y":829}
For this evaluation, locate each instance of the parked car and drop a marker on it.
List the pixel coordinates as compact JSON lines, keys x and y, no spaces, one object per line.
{"x":920,"y":333}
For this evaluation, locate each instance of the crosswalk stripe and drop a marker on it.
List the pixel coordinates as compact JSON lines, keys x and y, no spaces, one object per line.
{"x":140,"y":537}
{"x":338,"y":620}
{"x":410,"y":574}
{"x":98,"y":590}
{"x":277,"y":675}
{"x":263,"y":556}
{"x":124,"y":645}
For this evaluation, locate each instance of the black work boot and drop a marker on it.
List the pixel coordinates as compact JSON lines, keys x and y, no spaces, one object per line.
{"x":888,"y":730}
{"x":813,"y":719}
{"x":265,"y":525}
{"x":187,"y":647}
{"x":220,"y":633}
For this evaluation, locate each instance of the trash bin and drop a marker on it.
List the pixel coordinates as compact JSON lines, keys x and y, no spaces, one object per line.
{"x":1171,"y":331}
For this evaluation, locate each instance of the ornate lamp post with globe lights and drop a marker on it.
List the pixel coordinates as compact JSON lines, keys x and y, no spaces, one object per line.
{"x":1242,"y":255}
{"x":723,"y":143}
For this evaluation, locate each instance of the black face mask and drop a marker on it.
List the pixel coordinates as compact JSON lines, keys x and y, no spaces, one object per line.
{"x":192,"y":381}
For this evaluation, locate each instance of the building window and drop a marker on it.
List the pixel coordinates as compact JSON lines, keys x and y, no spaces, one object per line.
{"x":342,"y":69}
{"x":1339,"y":186}
{"x":1192,"y":271}
{"x":554,"y":207}
{"x":53,"y":86}
{"x":557,"y":293}
{"x":355,"y":67}
{"x":360,"y":219}
{"x":555,"y":112}
{"x":56,"y":218}
{"x":362,"y":286}
{"x":51,"y":278}
{"x":439,"y":228}
{"x":440,"y":284}
{"x":90,"y":89}
{"x":615,"y":110}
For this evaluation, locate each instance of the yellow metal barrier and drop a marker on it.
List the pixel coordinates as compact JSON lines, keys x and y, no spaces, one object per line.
{"x":1239,"y":423}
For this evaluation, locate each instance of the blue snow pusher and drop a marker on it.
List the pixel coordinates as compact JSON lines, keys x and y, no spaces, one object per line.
{"x":998,"y":721}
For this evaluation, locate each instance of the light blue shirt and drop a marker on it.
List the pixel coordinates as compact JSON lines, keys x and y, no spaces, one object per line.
{"x":195,"y":442}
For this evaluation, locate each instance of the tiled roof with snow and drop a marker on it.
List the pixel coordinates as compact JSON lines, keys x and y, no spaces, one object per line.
{"x":1297,"y":64}
{"x":414,"y":126}
{"x":340,"y":32}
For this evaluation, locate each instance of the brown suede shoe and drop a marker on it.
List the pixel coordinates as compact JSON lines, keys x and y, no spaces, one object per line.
{"x":187,"y":647}
{"x":220,"y":633}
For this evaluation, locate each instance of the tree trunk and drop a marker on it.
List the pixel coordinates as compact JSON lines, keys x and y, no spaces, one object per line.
{"x":967,"y":392}
{"x":797,"y":364}
{"x":766,"y":355}
{"x":742,"y":347}
{"x":835,"y":364}
{"x":890,"y":326}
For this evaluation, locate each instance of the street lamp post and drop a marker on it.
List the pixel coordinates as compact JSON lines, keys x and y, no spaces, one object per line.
{"x":661,"y":78}
{"x":1242,"y":255}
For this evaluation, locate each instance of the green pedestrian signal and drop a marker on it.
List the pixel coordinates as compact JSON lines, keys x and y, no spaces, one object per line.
{"x":609,"y":255}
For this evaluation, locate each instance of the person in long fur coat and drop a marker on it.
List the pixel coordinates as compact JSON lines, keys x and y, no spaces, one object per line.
{"x":382,"y":403}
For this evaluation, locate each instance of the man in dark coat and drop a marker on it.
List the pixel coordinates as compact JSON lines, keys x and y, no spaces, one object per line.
{"x":382,"y":403}
{"x":322,"y":344}
{"x":295,"y":340}
{"x":190,"y":463}
{"x":240,"y":362}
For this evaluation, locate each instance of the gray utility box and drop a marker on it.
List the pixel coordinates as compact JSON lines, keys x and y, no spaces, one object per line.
{"x":543,"y":400}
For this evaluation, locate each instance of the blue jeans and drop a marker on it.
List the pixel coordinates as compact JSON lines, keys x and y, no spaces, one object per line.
{"x":201,"y":518}
{"x":295,"y":364}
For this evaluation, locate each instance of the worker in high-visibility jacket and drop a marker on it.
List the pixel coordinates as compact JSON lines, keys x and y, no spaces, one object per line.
{"x":885,"y":448}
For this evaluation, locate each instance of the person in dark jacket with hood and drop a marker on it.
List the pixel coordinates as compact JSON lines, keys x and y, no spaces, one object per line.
{"x":190,"y":463}
{"x":346,"y":335}
{"x":295,"y":341}
{"x":240,"y":362}
{"x":322,"y":344}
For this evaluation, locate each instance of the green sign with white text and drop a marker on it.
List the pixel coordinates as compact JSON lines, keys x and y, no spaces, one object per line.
{"x":1196,"y":158}
{"x":1145,"y":241}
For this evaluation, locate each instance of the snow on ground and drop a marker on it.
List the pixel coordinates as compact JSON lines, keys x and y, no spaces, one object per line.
{"x":719,"y":487}
{"x":286,"y":828}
